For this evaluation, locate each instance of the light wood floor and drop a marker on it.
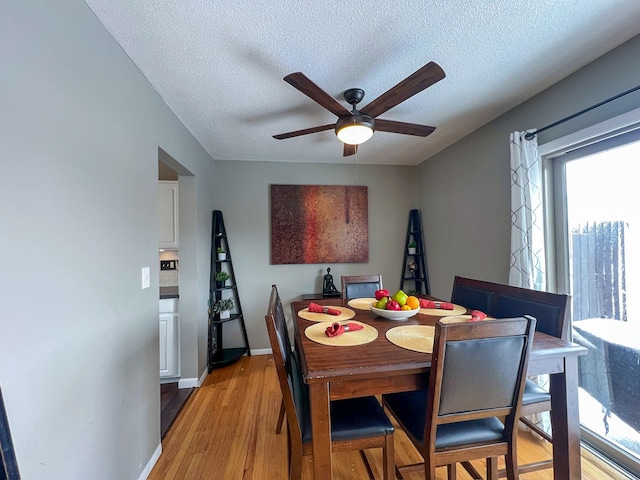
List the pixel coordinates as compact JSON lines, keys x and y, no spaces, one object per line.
{"x":227,"y":431}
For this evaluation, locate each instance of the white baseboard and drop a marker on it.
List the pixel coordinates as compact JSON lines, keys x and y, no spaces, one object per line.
{"x":188,"y":383}
{"x":151,"y":463}
{"x":203,"y":375}
{"x":193,"y":382}
{"x":262,"y":351}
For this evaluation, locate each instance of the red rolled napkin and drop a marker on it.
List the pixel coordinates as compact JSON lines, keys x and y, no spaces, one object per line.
{"x":336,"y":329}
{"x":437,"y":305}
{"x":315,"y":308}
{"x":477,"y":315}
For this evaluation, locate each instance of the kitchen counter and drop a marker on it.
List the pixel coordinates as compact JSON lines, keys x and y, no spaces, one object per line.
{"x":169,"y":292}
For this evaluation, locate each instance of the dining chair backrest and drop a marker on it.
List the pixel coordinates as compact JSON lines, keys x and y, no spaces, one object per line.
{"x":551,"y":310}
{"x":478,"y":371}
{"x":286,"y":365}
{"x":472,"y":294}
{"x":360,"y":286}
{"x":275,"y":307}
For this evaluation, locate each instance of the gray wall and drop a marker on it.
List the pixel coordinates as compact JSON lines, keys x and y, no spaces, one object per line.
{"x":465,"y":189}
{"x":80,"y":129}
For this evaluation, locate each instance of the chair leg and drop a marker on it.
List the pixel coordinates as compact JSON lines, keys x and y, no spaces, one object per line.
{"x":452,"y":471}
{"x":534,"y":466}
{"x":280,"y":418}
{"x":492,"y":468}
{"x":512,"y":463}
{"x":289,"y":447}
{"x":388,"y":458}
{"x":295,"y":463}
{"x":430,"y":467}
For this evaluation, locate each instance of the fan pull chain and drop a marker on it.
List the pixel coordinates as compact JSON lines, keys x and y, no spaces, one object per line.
{"x":355,"y":164}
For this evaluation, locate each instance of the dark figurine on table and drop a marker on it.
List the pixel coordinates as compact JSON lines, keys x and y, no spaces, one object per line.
{"x":328,"y":288}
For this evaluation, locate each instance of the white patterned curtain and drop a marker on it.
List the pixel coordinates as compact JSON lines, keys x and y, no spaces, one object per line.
{"x":527,"y":265}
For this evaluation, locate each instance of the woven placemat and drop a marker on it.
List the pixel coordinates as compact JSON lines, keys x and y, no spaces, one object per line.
{"x":347,"y":339}
{"x":418,"y":338}
{"x":457,"y":310}
{"x":361,"y":303}
{"x":346,"y":314}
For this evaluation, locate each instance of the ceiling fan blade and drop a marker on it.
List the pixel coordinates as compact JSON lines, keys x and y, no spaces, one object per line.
{"x":414,"y":83}
{"x":349,"y":150}
{"x":300,"y":81}
{"x":402,"y":127}
{"x":306,"y":131}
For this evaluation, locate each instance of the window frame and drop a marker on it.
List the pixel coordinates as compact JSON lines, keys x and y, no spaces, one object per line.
{"x":555,"y":155}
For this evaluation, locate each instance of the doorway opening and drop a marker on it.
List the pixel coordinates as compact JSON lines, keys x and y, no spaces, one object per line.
{"x":176,"y":267}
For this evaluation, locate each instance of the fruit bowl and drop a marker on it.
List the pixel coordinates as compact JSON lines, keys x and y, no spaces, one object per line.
{"x":394,"y":314}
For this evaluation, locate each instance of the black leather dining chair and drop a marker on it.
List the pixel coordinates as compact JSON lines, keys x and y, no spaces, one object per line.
{"x":471,"y":407}
{"x":356,"y":423}
{"x":552,"y":312}
{"x":360,"y":286}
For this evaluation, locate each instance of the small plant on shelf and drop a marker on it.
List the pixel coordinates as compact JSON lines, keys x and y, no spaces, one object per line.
{"x":412,"y":247}
{"x":222,"y":276}
{"x":223,"y":307}
{"x":222,"y":253}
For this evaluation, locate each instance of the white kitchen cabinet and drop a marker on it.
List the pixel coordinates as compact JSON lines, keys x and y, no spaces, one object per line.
{"x":169,"y":341}
{"x":168,"y":214}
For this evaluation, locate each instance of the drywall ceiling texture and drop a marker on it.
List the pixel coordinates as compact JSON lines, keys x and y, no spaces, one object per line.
{"x":220,"y":65}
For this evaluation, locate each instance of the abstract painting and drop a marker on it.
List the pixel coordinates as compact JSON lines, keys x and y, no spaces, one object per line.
{"x":319,"y":224}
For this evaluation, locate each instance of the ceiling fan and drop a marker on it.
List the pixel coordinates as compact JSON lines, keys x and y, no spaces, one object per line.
{"x":357,"y":126}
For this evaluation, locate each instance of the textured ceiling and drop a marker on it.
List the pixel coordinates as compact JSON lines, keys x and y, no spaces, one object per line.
{"x":219,"y":64}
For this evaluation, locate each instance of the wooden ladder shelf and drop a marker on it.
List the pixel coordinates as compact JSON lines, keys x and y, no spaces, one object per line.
{"x":414,"y":265}
{"x":218,"y":354}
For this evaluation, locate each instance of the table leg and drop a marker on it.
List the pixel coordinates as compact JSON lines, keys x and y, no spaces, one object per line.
{"x":321,"y":430}
{"x":565,"y":421}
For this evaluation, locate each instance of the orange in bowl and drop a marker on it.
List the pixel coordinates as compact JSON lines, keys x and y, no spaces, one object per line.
{"x":413,"y":302}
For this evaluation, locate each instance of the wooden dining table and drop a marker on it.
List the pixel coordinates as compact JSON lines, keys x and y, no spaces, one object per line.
{"x":379,"y":367}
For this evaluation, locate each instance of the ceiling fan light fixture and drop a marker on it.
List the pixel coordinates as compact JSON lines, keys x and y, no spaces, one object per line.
{"x":354,"y":129}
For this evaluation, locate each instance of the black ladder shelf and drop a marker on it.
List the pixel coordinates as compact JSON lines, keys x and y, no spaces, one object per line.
{"x":417,"y":275}
{"x":218,"y":355}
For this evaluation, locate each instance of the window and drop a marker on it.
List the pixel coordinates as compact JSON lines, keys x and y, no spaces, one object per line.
{"x":593,"y":231}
